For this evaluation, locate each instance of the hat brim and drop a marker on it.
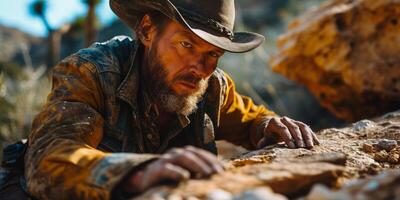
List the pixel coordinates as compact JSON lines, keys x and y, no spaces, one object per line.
{"x":131,"y":12}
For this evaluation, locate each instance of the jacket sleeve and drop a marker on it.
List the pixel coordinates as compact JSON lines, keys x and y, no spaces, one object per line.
{"x":62,"y":161}
{"x":241,"y":121}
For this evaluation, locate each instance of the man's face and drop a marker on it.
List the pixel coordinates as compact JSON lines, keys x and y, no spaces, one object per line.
{"x":179,"y":64}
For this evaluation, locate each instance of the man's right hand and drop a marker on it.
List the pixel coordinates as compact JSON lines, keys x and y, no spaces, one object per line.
{"x":176,"y":165}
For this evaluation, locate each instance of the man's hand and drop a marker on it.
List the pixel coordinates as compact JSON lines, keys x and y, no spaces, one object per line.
{"x":176,"y":165}
{"x":294,"y":133}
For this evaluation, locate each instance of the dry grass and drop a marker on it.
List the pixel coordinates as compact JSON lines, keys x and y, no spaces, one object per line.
{"x":22,"y":94}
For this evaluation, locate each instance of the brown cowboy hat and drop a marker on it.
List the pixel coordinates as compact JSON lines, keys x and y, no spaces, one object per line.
{"x":211,"y":20}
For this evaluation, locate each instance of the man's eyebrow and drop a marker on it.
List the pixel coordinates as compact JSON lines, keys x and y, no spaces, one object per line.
{"x":188,"y":34}
{"x":191,"y":36}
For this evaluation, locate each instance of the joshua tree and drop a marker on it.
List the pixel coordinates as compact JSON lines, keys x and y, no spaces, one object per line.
{"x":38,"y":8}
{"x":91,"y":32}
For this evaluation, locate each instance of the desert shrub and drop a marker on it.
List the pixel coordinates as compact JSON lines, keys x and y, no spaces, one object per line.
{"x":23,"y":91}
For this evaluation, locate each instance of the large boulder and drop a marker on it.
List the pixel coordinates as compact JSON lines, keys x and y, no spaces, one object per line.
{"x":346,"y":52}
{"x":277,"y":172}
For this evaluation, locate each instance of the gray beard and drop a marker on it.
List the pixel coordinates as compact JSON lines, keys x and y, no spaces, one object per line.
{"x":184,"y":105}
{"x":167,"y":99}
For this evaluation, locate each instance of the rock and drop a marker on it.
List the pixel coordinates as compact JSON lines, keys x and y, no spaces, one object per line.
{"x":396,"y":150}
{"x":393,"y":158}
{"x":346,"y":54}
{"x":372,"y":169}
{"x":157,"y":193}
{"x":341,"y":157}
{"x":227,"y":150}
{"x":329,"y":157}
{"x":320,"y":192}
{"x":381,"y":156}
{"x":219,"y":194}
{"x":295,"y":178}
{"x":279,"y":153}
{"x":383,"y":186}
{"x":385,"y":144}
{"x":260,"y":193}
{"x":363,"y":124}
{"x":369,"y":148}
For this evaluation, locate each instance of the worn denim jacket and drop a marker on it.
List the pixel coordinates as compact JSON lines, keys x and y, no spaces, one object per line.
{"x":88,"y":136}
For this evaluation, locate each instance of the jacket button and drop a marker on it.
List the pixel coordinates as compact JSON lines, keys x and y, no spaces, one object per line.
{"x":149,"y":136}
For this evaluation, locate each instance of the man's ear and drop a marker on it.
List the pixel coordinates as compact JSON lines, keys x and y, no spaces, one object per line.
{"x":146,"y":30}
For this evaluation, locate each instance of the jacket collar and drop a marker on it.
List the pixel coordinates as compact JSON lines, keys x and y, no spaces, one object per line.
{"x":129,"y":87}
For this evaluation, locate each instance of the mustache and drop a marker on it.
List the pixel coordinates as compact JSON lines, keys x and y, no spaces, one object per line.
{"x":190,"y":78}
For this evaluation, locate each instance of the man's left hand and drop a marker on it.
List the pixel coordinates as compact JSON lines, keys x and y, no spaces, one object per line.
{"x":294,"y":133}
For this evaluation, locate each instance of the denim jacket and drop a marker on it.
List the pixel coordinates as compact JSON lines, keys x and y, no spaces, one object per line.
{"x":90,"y":134}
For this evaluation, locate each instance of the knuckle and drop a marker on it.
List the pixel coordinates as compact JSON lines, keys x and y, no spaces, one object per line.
{"x":281,"y":127}
{"x":165,"y":157}
{"x":172,"y":150}
{"x":302,"y":125}
{"x":189,"y":155}
{"x":297,"y":136}
{"x":177,"y":151}
{"x":274,"y":120}
{"x":307,"y":136}
{"x":293,"y":126}
{"x":190,"y":148}
{"x":166,"y":166}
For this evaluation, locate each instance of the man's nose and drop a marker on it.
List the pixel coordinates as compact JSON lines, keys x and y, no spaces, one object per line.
{"x":199,"y":66}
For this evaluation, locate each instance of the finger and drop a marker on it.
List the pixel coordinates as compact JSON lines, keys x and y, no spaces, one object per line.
{"x":294,"y":131}
{"x":173,"y":173}
{"x":315,"y":138}
{"x":192,"y":162}
{"x":262,"y":143}
{"x":275,"y":126}
{"x":207,"y":157}
{"x":307,"y":134}
{"x":161,"y":171}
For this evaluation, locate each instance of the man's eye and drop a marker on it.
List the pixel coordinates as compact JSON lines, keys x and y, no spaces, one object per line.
{"x":213,"y":54}
{"x":186,"y":44}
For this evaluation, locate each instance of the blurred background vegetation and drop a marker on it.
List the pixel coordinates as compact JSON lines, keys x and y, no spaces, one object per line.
{"x":26,"y":62}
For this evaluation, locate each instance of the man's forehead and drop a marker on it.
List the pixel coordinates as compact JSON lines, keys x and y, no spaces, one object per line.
{"x":185,"y":32}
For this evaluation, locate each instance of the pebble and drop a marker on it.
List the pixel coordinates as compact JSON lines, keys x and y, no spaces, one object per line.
{"x":219,"y":194}
{"x":385,"y":144}
{"x":368,"y":148}
{"x":363,"y":124}
{"x":393,"y":158}
{"x":259,"y":194}
{"x":381,"y":156}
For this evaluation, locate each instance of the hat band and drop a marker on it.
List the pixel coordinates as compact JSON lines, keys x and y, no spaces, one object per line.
{"x":207,"y":22}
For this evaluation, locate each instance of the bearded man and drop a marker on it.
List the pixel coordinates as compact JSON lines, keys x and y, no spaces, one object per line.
{"x":128,"y":114}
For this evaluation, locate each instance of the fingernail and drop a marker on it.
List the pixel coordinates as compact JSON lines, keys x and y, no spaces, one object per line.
{"x":209,"y":171}
{"x":186,"y":175}
{"x":301,"y":144}
{"x":291,"y":145}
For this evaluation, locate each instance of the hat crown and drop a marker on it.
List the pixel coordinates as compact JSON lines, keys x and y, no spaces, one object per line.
{"x":211,"y":20}
{"x":221,"y":11}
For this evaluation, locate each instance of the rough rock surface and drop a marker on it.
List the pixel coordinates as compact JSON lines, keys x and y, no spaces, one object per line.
{"x":277,"y":172}
{"x":383,"y":186}
{"x":346,"y":53}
